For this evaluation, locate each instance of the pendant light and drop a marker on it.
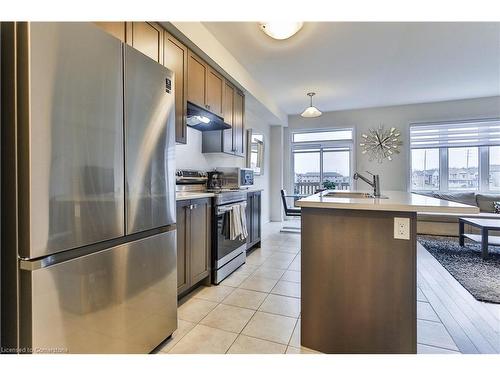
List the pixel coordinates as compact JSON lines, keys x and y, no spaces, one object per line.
{"x":311,"y":111}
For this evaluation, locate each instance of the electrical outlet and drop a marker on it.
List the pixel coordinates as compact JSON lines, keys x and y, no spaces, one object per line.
{"x":402,"y":228}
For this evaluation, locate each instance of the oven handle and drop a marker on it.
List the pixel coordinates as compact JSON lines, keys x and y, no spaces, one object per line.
{"x":224,"y":209}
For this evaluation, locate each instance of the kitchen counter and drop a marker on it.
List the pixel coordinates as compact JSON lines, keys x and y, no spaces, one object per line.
{"x":396,"y":201}
{"x":181,"y":196}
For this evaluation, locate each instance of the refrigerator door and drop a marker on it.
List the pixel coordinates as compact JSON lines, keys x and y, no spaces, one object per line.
{"x":70,"y":137}
{"x":119,"y":300}
{"x":149,"y":143}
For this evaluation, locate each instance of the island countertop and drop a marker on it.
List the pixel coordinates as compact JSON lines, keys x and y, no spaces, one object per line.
{"x":396,"y":201}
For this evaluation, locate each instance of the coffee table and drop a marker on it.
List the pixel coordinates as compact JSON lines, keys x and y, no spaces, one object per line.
{"x":484,"y":225}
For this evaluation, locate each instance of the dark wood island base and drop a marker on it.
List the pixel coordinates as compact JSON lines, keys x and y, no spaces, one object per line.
{"x":358,"y":282}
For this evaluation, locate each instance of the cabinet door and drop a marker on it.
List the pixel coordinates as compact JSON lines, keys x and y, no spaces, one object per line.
{"x":249,"y":217}
{"x":147,"y":37}
{"x":256,"y":213}
{"x":238,"y":133}
{"x":215,"y":92}
{"x":228,"y":111}
{"x":175,"y":58}
{"x":200,"y":239}
{"x":197,"y":80}
{"x":117,"y":29}
{"x":183,"y":259}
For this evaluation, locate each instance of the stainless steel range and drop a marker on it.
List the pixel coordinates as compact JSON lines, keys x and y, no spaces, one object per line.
{"x":229,"y":237}
{"x":228,"y":251}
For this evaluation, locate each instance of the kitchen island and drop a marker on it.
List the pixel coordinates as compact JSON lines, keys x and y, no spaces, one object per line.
{"x":359,"y":270}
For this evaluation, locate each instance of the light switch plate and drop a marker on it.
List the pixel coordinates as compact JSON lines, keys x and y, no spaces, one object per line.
{"x":401,"y":228}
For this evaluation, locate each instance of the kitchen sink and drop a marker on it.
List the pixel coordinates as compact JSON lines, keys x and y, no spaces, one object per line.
{"x":350,"y":194}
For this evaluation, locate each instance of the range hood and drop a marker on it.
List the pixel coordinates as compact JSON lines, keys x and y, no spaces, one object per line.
{"x":203,"y":120}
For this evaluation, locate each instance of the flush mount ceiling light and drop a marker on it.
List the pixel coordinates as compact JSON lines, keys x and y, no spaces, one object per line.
{"x":311,"y":111}
{"x":280,"y":30}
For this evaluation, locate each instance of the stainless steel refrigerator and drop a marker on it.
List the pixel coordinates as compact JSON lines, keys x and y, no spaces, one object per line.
{"x":88,"y":193}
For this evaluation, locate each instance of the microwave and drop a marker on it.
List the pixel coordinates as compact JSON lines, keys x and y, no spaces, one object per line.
{"x":231,"y":178}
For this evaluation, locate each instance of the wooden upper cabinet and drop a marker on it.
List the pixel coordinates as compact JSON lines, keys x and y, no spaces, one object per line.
{"x":238,"y":125}
{"x":146,"y":37}
{"x":175,"y":58}
{"x":228,"y":103}
{"x":228,"y":112}
{"x":215,"y":92}
{"x":117,"y":29}
{"x":197,"y":80}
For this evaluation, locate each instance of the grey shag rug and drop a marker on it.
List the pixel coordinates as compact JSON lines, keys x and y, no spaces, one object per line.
{"x":480,"y":277}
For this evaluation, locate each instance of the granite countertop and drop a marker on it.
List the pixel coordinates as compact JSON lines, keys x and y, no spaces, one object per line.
{"x":395,"y":201}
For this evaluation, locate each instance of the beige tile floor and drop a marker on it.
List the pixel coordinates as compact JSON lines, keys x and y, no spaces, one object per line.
{"x":257,"y":309}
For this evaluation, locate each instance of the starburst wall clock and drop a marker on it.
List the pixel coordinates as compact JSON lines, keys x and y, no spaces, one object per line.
{"x":381,"y":143}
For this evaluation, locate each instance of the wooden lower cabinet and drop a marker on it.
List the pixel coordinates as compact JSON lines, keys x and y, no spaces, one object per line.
{"x":183,"y":240}
{"x":193,"y":242}
{"x":254,"y":215}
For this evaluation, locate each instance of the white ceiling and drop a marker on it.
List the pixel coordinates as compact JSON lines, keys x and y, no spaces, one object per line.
{"x":358,"y":65}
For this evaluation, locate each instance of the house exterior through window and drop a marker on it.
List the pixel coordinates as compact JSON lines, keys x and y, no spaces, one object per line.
{"x":455,"y":156}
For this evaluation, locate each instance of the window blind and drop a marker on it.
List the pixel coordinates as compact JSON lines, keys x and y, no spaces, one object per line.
{"x":455,"y":134}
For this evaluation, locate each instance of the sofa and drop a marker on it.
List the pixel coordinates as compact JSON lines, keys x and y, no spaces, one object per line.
{"x":447,"y":224}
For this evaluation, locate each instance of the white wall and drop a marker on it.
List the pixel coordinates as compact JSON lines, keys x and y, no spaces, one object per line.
{"x":276,"y":182}
{"x":189,"y":156}
{"x":393,"y":175}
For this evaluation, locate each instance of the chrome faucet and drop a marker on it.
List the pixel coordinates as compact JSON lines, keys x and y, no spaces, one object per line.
{"x":375,"y":184}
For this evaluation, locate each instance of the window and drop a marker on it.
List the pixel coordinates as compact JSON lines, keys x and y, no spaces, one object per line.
{"x":494,"y":168}
{"x":322,"y":159}
{"x":456,"y":156}
{"x":463,"y":168}
{"x":307,"y":171}
{"x":336,"y":168}
{"x":425,"y":169}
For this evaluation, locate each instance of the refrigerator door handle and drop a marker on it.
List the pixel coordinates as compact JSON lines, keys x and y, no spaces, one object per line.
{"x":27,"y":264}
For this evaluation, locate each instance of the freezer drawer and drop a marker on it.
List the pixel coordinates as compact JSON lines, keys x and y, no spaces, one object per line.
{"x":149,"y":143}
{"x":70,"y":138}
{"x":119,"y":300}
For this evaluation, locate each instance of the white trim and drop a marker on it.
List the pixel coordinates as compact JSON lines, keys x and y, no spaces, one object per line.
{"x":443,"y":169}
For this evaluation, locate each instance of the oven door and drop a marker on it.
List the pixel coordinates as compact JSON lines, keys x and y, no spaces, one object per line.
{"x":226,"y":248}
